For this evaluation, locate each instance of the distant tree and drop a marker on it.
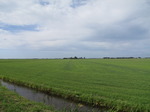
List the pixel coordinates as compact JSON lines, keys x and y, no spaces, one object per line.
{"x":75,"y":57}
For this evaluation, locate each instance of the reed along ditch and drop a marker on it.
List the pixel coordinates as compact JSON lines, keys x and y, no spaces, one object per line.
{"x":58,"y":103}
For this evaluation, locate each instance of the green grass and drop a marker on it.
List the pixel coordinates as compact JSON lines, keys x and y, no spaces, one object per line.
{"x":11,"y":102}
{"x":118,"y":84}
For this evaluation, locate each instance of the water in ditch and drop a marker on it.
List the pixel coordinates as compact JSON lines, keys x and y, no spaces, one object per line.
{"x":57,"y":102}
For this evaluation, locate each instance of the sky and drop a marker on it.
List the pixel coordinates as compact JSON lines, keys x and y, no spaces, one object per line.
{"x":82,"y":28}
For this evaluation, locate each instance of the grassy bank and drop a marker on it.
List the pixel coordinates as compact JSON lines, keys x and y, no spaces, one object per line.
{"x":11,"y":102}
{"x":121,"y":85}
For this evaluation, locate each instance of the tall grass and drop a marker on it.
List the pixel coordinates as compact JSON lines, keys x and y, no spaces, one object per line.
{"x":11,"y":102}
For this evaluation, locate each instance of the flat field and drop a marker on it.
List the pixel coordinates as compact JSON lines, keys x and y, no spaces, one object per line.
{"x":118,"y":84}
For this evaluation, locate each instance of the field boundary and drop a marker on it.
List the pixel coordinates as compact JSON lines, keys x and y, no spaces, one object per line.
{"x":78,"y":98}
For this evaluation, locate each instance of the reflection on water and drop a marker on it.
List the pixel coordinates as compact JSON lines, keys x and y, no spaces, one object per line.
{"x":56,"y":102}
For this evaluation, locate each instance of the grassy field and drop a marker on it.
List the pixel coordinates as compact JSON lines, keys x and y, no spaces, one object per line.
{"x":118,"y":84}
{"x":11,"y":102}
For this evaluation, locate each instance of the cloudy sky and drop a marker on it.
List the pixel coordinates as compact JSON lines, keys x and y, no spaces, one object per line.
{"x":64,"y":28}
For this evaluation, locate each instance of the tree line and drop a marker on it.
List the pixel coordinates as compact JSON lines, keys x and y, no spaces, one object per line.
{"x":75,"y":57}
{"x":121,"y":57}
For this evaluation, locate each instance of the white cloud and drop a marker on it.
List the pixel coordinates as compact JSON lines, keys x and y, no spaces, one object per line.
{"x":93,"y":25}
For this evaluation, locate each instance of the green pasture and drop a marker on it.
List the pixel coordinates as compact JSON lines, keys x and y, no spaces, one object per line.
{"x":118,"y":84}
